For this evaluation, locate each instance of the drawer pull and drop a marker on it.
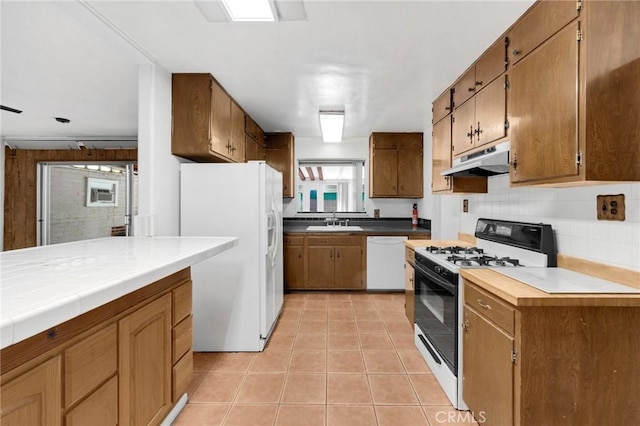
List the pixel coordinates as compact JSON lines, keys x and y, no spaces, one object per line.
{"x":484,"y":305}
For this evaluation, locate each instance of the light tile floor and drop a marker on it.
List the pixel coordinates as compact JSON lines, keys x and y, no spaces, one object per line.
{"x":334,"y":359}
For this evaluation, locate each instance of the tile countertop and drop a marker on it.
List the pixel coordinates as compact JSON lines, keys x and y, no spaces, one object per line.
{"x":41,"y":287}
{"x":519,"y":294}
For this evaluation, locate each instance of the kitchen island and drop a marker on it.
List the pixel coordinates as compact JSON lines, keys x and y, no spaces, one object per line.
{"x":99,"y":329}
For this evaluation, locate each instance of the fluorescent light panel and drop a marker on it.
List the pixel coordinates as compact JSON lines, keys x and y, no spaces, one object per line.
{"x":332,"y":124}
{"x":249,"y":10}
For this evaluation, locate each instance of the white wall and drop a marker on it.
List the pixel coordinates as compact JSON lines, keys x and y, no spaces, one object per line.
{"x":159,"y":171}
{"x":348,"y":149}
{"x":570,"y":211}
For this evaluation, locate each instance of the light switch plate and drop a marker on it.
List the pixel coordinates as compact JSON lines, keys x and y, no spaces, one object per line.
{"x":611,"y":207}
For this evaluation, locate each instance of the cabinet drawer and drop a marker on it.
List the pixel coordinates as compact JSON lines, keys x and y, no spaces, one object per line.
{"x":89,"y":362}
{"x":335,"y":241}
{"x":293,"y":241}
{"x":182,"y":338}
{"x":490,"y":306}
{"x":410,"y":255}
{"x":181,"y":302}
{"x":100,"y":408}
{"x":182,"y":375}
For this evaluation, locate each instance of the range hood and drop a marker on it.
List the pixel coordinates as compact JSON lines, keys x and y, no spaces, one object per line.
{"x":488,"y":162}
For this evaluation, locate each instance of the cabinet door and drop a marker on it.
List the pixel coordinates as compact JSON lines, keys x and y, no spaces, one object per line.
{"x":491,"y":112}
{"x":145,"y":363}
{"x":99,"y":409}
{"x":463,"y":127}
{"x":441,"y":160}
{"x":237,"y":133}
{"x":250,"y":149}
{"x":320,"y":267}
{"x":294,"y":267}
{"x":33,"y":398}
{"x":384,"y":173}
{"x":491,"y":65}
{"x":280,"y":159}
{"x":540,"y":23}
{"x":487,"y":369}
{"x":191,"y":115}
{"x":220,"y":121}
{"x":442,"y":106}
{"x":410,"y":172}
{"x":543,"y":110}
{"x":464,"y":88}
{"x":349,"y":270}
{"x":409,"y":292}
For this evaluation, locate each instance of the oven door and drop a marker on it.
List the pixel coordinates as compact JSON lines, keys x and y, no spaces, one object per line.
{"x":436,"y":313}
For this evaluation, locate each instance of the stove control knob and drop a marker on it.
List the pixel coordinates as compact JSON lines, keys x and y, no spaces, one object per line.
{"x":438,"y":269}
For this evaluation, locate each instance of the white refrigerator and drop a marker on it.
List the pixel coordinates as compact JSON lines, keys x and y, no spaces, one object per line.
{"x":237,"y":295}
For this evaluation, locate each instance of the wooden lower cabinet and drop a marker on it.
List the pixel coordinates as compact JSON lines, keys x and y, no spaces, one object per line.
{"x":549,"y":365}
{"x":34,"y":397}
{"x":327,"y":262}
{"x":293,"y":250}
{"x":99,"y":409}
{"x":125,"y":363}
{"x":409,"y":293}
{"x":145,"y":364}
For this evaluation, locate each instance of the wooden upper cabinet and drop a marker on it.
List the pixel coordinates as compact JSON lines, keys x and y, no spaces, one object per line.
{"x":34,"y":397}
{"x":220,"y":121}
{"x":441,"y":155}
{"x":250,"y":127}
{"x":542,"y":21}
{"x":572,"y":97}
{"x":280,"y":154}
{"x":463,"y":127}
{"x":464,"y":88}
{"x":491,"y":113}
{"x":237,"y":133}
{"x":491,"y":64}
{"x":395,"y":165}
{"x":442,"y":106}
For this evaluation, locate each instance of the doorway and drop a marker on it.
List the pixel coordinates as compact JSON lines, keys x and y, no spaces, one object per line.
{"x":83,"y":201}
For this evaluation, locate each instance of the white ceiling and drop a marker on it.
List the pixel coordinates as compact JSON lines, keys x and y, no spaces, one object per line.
{"x":385,"y":61}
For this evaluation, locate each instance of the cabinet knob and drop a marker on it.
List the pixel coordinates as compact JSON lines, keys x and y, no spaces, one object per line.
{"x":478,"y":83}
{"x":516,"y":52}
{"x":472,"y":89}
{"x":447,"y":108}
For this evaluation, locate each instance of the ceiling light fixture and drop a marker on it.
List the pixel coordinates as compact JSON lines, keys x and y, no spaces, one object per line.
{"x":249,"y":10}
{"x":331,"y":125}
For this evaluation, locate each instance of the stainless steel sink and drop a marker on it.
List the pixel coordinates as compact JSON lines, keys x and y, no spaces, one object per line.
{"x":334,"y":228}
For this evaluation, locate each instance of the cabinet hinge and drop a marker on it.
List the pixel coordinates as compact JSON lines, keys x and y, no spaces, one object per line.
{"x":514,"y":356}
{"x":506,"y":124}
{"x":579,"y":158}
{"x":453,"y":118}
{"x":579,"y":5}
{"x":506,"y":83}
{"x":579,"y":35}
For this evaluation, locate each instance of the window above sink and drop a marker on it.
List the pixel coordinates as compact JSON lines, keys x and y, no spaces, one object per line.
{"x":330,"y":186}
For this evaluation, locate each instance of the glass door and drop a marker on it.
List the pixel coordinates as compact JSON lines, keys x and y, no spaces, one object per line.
{"x":85,"y":201}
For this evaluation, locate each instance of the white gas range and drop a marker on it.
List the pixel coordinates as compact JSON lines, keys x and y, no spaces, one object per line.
{"x":439,"y":291}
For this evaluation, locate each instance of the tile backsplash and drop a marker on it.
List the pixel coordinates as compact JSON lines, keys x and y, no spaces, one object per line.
{"x":572,"y":214}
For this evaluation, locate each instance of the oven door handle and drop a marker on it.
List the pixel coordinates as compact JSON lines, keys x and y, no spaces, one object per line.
{"x":426,"y":345}
{"x":436,"y":278}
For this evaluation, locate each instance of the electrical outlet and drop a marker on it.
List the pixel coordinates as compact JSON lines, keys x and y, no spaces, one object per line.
{"x":611,"y":207}
{"x":465,"y":206}
{"x":376,"y":213}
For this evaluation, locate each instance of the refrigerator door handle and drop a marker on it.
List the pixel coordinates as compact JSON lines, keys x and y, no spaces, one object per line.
{"x":276,"y":238}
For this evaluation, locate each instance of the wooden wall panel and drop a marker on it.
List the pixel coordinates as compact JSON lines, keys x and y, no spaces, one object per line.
{"x":20,"y":192}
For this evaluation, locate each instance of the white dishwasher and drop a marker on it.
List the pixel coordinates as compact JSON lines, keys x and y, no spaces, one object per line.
{"x":385,"y":263}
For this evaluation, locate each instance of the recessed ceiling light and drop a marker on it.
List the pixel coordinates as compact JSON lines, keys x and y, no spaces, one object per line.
{"x":249,"y":10}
